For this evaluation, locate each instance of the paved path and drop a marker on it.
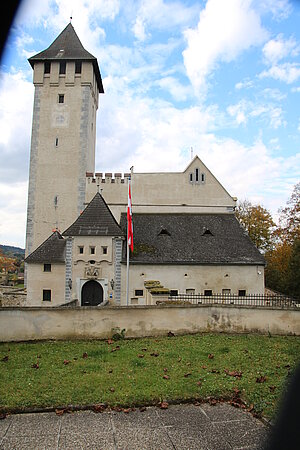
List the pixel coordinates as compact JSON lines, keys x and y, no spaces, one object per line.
{"x":218,"y":427}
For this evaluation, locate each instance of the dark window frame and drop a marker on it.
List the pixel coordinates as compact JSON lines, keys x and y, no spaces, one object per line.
{"x":47,"y":67}
{"x":80,"y":249}
{"x":47,"y":267}
{"x":61,"y":98}
{"x":47,"y":294}
{"x":62,"y":67}
{"x":139,"y":292}
{"x":78,"y":67}
{"x":208,"y":292}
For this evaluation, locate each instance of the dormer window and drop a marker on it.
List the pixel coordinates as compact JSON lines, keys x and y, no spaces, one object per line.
{"x":207,"y":232}
{"x":164,"y":232}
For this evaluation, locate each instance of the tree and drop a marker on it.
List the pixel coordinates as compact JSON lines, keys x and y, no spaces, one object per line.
{"x":294,"y":270}
{"x":277,"y":272}
{"x":258,"y":223}
{"x":289,"y":220}
{"x":7,"y":264}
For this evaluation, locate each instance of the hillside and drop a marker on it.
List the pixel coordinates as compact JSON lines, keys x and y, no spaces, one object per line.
{"x":12,"y":252}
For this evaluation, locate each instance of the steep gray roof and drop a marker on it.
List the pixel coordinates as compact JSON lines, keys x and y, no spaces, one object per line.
{"x":190,"y":239}
{"x":52,"y":250}
{"x":67,"y":47}
{"x":95,"y":220}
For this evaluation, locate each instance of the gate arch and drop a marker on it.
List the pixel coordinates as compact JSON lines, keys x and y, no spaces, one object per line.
{"x":91,"y":293}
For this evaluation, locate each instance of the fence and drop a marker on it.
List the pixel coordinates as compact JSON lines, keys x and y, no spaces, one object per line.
{"x":277,"y":300}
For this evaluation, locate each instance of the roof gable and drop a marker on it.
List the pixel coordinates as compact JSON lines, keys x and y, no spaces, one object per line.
{"x":95,"y":220}
{"x":52,"y":250}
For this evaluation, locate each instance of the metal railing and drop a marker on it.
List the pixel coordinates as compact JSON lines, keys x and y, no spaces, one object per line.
{"x":278,"y":301}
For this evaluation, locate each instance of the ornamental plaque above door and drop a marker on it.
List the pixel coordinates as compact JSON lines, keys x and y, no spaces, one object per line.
{"x":92,"y":272}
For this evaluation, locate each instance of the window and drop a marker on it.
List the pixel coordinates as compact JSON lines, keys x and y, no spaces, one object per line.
{"x":139,"y":293}
{"x":46,"y":295}
{"x":208,"y":292}
{"x":191,"y":177}
{"x":56,"y":142}
{"x":190,"y":291}
{"x":80,"y":249}
{"x":47,"y":267}
{"x":164,"y":232}
{"x":47,"y":67}
{"x":202,"y":177}
{"x":207,"y":232}
{"x":226,"y":291}
{"x":173,"y":292}
{"x":196,"y":175}
{"x":104,"y":250}
{"x":61,"y":98}
{"x":56,"y":200}
{"x":78,"y":67}
{"x":92,"y":250}
{"x":242,"y":292}
{"x":62,"y":67}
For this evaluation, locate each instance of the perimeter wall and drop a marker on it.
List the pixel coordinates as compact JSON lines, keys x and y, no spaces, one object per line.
{"x":25,"y":323}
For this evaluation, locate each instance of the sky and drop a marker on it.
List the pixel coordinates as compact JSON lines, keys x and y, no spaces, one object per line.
{"x":220,"y":77}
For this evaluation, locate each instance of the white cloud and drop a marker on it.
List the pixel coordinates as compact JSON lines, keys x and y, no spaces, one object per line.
{"x":244,"y":110}
{"x":246,"y":84}
{"x":225,"y":30}
{"x":276,"y":49}
{"x":286,"y":72}
{"x":160,"y":15}
{"x":13,"y":213}
{"x":296,"y":89}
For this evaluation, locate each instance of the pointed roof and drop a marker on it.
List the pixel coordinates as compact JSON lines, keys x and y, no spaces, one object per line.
{"x":95,"y":220}
{"x":52,"y":250}
{"x":67,"y":47}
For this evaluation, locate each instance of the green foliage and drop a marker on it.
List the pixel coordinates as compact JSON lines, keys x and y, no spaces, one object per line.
{"x":258,"y":223}
{"x":118,"y":334}
{"x":131,"y":372}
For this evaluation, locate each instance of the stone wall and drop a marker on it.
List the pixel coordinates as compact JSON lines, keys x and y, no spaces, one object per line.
{"x":25,"y":324}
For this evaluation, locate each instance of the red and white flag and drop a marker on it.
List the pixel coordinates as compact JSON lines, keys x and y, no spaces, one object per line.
{"x":129,"y":220}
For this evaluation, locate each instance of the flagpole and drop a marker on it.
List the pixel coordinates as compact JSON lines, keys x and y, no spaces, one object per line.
{"x":127,"y":273}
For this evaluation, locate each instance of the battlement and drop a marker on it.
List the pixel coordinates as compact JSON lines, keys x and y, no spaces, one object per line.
{"x":107,"y":177}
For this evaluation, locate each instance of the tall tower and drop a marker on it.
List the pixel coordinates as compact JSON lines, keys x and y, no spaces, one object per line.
{"x":67,"y":83}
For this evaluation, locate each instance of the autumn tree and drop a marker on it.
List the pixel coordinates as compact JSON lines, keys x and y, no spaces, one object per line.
{"x":289,"y":219}
{"x":7,"y":264}
{"x":258,"y":223}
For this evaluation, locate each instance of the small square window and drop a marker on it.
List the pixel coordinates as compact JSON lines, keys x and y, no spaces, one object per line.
{"x":92,"y":250}
{"x":61,"y":98}
{"x":139,"y":293}
{"x":173,"y":292}
{"x":80,"y":249}
{"x":47,"y":267}
{"x":104,"y":250}
{"x":47,"y":67}
{"x":208,"y":292}
{"x":46,"y":295}
{"x":242,"y":292}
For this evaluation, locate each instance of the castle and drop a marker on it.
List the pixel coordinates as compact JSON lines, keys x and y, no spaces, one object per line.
{"x":186,"y":236}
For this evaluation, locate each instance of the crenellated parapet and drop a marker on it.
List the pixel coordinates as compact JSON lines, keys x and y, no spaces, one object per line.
{"x":107,"y":177}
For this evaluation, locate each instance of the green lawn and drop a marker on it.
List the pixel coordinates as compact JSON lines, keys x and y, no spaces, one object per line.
{"x":144,"y":371}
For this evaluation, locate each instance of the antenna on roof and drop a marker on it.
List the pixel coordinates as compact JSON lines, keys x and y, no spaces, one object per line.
{"x":192,"y":153}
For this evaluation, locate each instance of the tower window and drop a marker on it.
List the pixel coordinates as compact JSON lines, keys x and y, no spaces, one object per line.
{"x":78,"y":67}
{"x":62,"y":67}
{"x":104,"y":250}
{"x":47,"y":67}
{"x":61,"y":98}
{"x":46,"y":295}
{"x":92,"y":250}
{"x":80,"y":249}
{"x":56,"y":142}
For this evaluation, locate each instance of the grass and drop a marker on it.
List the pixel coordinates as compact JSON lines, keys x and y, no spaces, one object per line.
{"x":131,"y":376}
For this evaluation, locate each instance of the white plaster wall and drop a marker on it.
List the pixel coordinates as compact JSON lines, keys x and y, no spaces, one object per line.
{"x":21,"y":324}
{"x":183,"y":277}
{"x":38,"y":280}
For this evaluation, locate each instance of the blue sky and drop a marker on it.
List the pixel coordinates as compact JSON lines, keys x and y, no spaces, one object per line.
{"x":222,"y":77}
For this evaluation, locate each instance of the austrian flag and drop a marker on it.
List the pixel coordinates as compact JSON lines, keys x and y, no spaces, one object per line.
{"x":129,"y":220}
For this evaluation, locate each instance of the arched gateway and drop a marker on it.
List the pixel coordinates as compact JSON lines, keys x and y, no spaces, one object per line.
{"x":91,"y":293}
